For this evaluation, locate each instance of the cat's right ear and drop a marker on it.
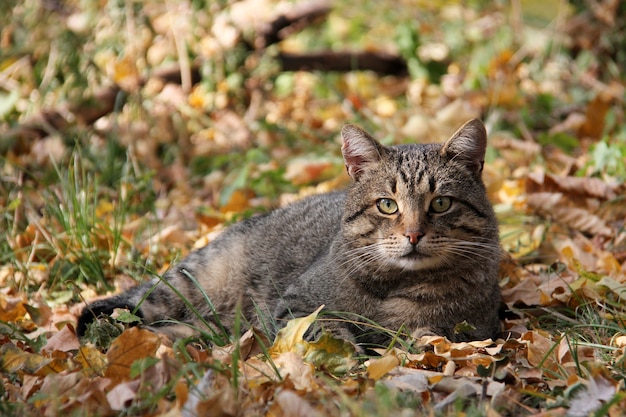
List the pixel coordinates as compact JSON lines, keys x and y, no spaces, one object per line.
{"x":468,"y":145}
{"x":359,"y":150}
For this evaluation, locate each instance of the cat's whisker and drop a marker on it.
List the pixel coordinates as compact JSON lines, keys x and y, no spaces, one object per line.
{"x":469,"y":253}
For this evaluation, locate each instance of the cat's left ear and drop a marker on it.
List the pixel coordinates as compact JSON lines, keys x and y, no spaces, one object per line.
{"x":359,"y":150}
{"x":468,"y":145}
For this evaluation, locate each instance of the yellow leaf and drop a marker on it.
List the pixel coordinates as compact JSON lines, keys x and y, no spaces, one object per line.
{"x":93,"y":361}
{"x":104,"y":208}
{"x":291,"y":337}
{"x":11,"y":308}
{"x":14,"y":359}
{"x":381,"y":366}
{"x":197,"y":97}
{"x":126,"y":74}
{"x":331,"y":354}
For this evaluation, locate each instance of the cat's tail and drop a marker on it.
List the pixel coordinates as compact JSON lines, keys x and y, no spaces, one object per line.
{"x":127,"y":300}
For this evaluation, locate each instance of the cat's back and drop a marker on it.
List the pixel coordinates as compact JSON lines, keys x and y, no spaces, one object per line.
{"x":276,"y":247}
{"x":295,"y":230}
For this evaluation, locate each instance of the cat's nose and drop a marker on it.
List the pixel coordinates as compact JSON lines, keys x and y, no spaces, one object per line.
{"x":414,"y":236}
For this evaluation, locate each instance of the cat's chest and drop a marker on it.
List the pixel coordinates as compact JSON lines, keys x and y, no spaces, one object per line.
{"x":395,"y":312}
{"x":411,"y":308}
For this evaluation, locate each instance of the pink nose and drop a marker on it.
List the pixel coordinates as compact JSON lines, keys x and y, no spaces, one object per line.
{"x":414,"y":236}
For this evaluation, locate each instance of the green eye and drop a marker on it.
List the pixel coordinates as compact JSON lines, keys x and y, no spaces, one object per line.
{"x":387,"y":206}
{"x":440,"y":204}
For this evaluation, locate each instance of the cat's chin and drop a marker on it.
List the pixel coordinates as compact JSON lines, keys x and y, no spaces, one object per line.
{"x":418,"y":262}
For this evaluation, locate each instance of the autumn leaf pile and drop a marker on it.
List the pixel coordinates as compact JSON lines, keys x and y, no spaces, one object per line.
{"x":94,"y":200}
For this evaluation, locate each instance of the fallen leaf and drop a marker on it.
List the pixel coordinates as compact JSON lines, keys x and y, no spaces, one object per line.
{"x":307,"y":170}
{"x":14,"y":359}
{"x":92,"y":361}
{"x":300,"y":373}
{"x":133,"y":344}
{"x":539,"y":349}
{"x":291,"y":337}
{"x":590,"y":395}
{"x":379,"y":367}
{"x":293,"y":405}
{"x":11,"y":308}
{"x":595,"y":116}
{"x":64,"y":340}
{"x":554,"y":205}
{"x":331,"y":354}
{"x":617,"y":288}
{"x":409,"y":380}
{"x":122,"y":394}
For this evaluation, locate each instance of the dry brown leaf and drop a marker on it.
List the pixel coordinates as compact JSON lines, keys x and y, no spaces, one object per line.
{"x":122,"y":394}
{"x":597,"y":391}
{"x":133,"y":344}
{"x":595,"y":116}
{"x":306,"y":170}
{"x":569,"y":359}
{"x":64,"y":340}
{"x":407,"y":379}
{"x":582,"y":220}
{"x":539,"y":349}
{"x":555,"y":206}
{"x":540,"y":181}
{"x":252,"y":343}
{"x":526,"y":292}
{"x":293,"y":405}
{"x":300,"y":373}
{"x":72,"y":393}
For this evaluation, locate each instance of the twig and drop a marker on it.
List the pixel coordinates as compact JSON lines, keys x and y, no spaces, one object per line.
{"x":379,"y":62}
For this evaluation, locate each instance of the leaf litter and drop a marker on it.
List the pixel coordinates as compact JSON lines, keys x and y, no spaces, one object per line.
{"x":559,"y":196}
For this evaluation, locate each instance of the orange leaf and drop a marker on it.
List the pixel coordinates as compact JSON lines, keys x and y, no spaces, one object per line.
{"x":239,"y":201}
{"x":594,"y":117}
{"x":11,"y":308}
{"x":379,"y":367}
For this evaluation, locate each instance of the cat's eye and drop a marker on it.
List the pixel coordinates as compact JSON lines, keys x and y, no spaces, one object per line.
{"x":387,"y":206}
{"x":440,"y":204}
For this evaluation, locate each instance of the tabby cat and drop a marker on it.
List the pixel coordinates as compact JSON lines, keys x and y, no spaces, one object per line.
{"x":411,"y":244}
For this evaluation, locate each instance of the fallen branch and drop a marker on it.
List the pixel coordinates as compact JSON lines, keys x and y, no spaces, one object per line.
{"x":300,"y":16}
{"x":379,"y":62}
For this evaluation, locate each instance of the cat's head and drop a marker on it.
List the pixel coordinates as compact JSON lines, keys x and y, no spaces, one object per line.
{"x":417,"y":207}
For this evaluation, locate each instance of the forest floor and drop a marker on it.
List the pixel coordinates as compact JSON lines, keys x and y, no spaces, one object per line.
{"x":132,"y":133}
